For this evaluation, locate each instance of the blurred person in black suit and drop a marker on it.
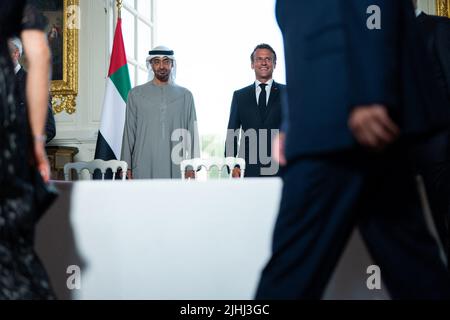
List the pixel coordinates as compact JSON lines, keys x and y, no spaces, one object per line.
{"x":359,"y":94}
{"x":433,"y":155}
{"x":436,"y":32}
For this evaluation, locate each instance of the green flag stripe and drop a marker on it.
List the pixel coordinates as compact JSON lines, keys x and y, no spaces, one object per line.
{"x":121,"y":79}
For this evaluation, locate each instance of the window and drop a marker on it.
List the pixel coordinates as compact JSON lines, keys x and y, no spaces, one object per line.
{"x":138,"y":35}
{"x":213,"y":41}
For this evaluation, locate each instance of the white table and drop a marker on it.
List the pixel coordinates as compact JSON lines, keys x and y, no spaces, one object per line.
{"x":167,"y":239}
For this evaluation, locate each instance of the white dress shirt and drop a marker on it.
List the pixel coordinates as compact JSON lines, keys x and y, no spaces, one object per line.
{"x":258,"y":90}
{"x":17,"y":68}
{"x":418,"y":12}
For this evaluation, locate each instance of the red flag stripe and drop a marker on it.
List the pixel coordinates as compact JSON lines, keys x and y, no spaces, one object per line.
{"x":118,"y":56}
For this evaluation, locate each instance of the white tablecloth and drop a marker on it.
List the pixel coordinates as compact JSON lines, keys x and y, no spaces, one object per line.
{"x":167,"y":239}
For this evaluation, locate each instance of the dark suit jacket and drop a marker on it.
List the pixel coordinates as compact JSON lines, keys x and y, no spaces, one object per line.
{"x":245,"y":114}
{"x":21,"y":79}
{"x":334,"y":63}
{"x":433,"y":156}
{"x":436,"y":32}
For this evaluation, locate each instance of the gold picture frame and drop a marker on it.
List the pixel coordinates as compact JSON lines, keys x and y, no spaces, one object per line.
{"x":62,"y":33}
{"x":443,"y":8}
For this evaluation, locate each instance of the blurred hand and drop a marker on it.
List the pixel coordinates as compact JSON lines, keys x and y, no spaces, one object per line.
{"x":41,"y":160}
{"x":278,"y":152}
{"x":236,"y":173}
{"x":189,"y":174}
{"x":372,"y":127}
{"x":129,"y":174}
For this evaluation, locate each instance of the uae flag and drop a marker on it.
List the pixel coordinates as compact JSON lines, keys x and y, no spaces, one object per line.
{"x":109,"y":141}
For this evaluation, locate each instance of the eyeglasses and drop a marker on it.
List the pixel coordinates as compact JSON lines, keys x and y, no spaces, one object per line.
{"x":157,"y":62}
{"x":261,"y":60}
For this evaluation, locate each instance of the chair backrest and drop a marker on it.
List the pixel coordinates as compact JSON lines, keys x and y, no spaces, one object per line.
{"x":208,"y":164}
{"x":96,"y":164}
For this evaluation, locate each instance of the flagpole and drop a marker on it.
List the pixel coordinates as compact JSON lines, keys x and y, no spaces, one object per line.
{"x":118,"y":85}
{"x":119,"y":8}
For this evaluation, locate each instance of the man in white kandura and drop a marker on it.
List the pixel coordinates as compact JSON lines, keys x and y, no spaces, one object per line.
{"x":160,"y":126}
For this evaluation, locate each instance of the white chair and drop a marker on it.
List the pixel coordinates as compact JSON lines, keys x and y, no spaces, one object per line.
{"x":219,"y":163}
{"x":96,"y":164}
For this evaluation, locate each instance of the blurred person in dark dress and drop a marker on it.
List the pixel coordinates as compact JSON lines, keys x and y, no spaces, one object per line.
{"x":22,"y":153}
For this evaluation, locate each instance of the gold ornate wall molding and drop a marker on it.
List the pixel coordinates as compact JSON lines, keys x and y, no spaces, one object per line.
{"x":64,"y":91}
{"x":443,"y":8}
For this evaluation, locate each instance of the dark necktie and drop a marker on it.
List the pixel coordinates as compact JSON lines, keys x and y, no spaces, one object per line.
{"x":262,"y":97}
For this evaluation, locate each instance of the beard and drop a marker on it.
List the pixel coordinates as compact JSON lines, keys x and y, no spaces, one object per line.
{"x":162,"y":75}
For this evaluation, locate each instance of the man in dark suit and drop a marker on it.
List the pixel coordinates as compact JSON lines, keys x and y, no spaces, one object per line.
{"x":15,"y":47}
{"x":436,"y":31}
{"x":434,"y":154}
{"x":256,"y":115}
{"x":359,"y":94}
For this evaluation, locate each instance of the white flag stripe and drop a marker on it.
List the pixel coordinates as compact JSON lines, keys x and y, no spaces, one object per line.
{"x":113,"y":118}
